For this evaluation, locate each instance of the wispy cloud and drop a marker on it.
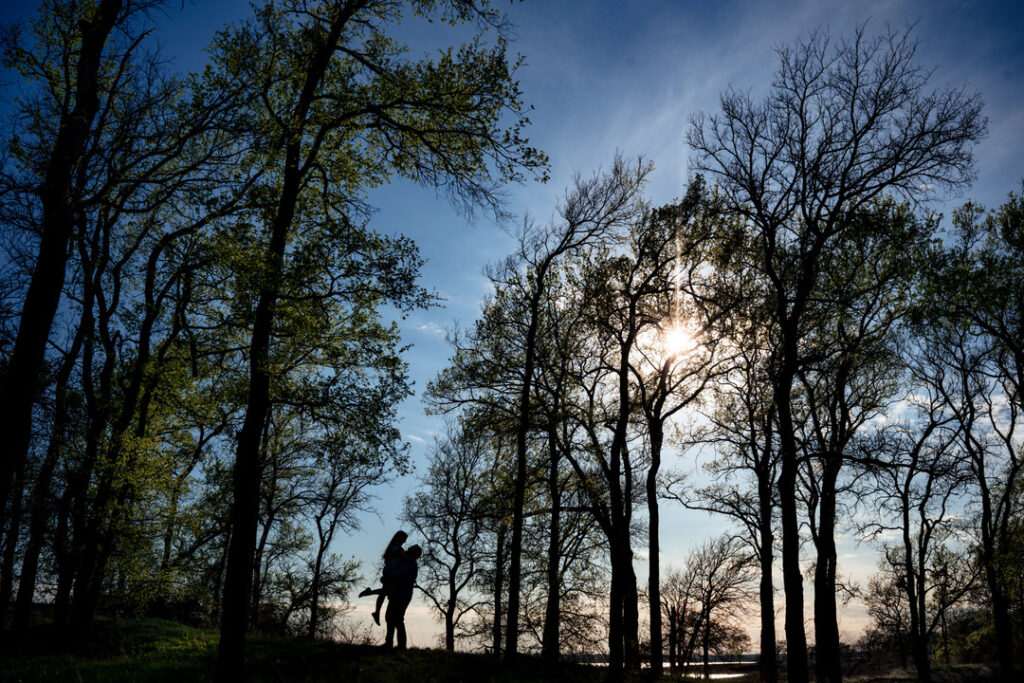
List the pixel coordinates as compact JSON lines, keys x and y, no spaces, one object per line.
{"x":431,"y":328}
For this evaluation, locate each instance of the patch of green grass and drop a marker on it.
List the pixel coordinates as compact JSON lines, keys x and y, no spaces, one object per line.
{"x":158,"y":650}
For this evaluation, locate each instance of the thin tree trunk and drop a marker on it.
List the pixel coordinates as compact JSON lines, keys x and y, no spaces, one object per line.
{"x":706,"y":646}
{"x":39,"y":512}
{"x":314,"y":591}
{"x":38,"y":516}
{"x":64,"y":556}
{"x":827,"y":666}
{"x":499,"y":589}
{"x":796,"y":640}
{"x":550,"y":650}
{"x":519,"y":490}
{"x":11,"y":546}
{"x":615,"y":658}
{"x":654,"y":549}
{"x":915,"y":596}
{"x":673,"y":638}
{"x":767,"y":664}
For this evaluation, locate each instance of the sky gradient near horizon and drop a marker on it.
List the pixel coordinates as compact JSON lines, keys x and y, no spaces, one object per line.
{"x":626,"y":76}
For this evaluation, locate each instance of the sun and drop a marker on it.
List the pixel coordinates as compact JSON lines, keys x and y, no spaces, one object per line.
{"x":679,"y":341}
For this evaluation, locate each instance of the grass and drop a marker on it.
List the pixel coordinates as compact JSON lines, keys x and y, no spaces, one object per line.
{"x":159,"y":650}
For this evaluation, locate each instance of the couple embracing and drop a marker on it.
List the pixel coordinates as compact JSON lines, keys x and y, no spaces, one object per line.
{"x":397,"y":581}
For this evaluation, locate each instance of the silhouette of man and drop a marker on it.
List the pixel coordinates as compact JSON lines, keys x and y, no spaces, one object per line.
{"x":399,"y":597}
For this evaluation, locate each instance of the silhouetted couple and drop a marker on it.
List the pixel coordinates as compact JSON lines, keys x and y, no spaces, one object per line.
{"x":397,"y":581}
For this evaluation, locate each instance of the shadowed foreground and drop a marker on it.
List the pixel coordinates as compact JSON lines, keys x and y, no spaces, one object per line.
{"x":161,"y":650}
{"x":158,"y":650}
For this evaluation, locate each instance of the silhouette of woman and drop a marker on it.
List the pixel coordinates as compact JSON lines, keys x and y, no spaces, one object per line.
{"x":394,"y":555}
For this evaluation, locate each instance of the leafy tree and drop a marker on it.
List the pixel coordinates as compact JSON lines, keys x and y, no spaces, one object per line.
{"x":672,"y":372}
{"x":919,"y":474}
{"x":495,"y":364}
{"x":972,"y":308}
{"x":337,"y":107}
{"x":80,"y":98}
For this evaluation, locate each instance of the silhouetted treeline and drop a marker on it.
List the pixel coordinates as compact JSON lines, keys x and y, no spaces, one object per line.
{"x":200,"y":379}
{"x":851,"y":361}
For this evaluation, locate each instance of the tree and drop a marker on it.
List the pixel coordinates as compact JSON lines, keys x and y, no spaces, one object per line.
{"x":495,"y":365}
{"x":154,"y":148}
{"x":972,"y":308}
{"x":445,"y":512}
{"x":590,"y":212}
{"x":703,"y":599}
{"x":338,"y":108}
{"x":851,"y":369}
{"x":69,"y":142}
{"x":887,"y":607}
{"x":919,"y":474}
{"x":671,"y":373}
{"x":844,"y":124}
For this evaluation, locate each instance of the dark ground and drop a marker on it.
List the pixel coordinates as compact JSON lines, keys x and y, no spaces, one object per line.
{"x":160,"y":650}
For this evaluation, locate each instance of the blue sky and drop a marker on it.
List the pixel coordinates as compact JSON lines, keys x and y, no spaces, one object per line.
{"x":607,"y":76}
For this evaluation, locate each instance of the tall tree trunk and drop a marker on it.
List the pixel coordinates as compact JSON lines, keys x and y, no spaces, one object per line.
{"x":43,"y":296}
{"x":767,"y":664}
{"x":796,"y":640}
{"x":707,"y":646}
{"x":673,"y":640}
{"x":519,"y":490}
{"x":994,"y":580}
{"x":915,"y":596}
{"x":499,"y":589}
{"x":246,"y":479}
{"x":1001,"y":620}
{"x":827,"y":665}
{"x":449,"y":623}
{"x":550,"y":650}
{"x":654,"y":548}
{"x":64,"y":555}
{"x":38,"y":516}
{"x":615,"y":658}
{"x":621,"y":500}
{"x":40,"y":502}
{"x":314,"y":591}
{"x":11,"y":544}
{"x":630,"y":608}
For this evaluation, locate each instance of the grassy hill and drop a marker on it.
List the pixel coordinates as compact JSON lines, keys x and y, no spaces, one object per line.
{"x":158,"y":650}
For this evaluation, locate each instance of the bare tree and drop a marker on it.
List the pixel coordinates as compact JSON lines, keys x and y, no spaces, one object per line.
{"x":918,"y":475}
{"x":446,"y":512}
{"x":589,"y":212}
{"x":844,"y":124}
{"x":708,"y":596}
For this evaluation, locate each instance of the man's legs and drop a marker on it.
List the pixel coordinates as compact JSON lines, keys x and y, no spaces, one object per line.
{"x":400,"y":627}
{"x":395,"y":617}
